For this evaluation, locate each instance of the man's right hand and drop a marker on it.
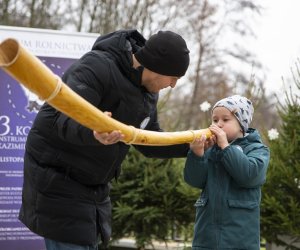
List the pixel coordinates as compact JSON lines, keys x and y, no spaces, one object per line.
{"x":108,"y":138}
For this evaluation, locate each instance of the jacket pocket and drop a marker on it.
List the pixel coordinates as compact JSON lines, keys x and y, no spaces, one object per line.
{"x":243,"y":204}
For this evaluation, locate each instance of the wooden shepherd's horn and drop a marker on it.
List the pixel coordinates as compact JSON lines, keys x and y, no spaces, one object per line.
{"x":27,"y":69}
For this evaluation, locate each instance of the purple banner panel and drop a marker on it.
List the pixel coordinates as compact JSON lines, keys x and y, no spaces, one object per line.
{"x":18,"y":108}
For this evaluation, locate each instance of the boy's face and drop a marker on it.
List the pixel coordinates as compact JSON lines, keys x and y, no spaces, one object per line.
{"x":225,"y":120}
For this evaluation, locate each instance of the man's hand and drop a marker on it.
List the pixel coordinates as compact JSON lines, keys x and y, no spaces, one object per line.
{"x":109,"y":138}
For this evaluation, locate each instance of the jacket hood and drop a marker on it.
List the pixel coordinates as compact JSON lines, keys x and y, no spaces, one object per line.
{"x":121,"y":45}
{"x":253,"y":136}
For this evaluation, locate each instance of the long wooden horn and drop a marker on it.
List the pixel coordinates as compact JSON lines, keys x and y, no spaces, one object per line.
{"x":27,"y":69}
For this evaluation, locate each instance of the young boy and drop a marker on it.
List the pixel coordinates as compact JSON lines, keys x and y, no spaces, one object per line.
{"x":230,"y":174}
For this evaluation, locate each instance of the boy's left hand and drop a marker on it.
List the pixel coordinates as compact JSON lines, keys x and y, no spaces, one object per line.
{"x":197,"y":146}
{"x":201,"y":144}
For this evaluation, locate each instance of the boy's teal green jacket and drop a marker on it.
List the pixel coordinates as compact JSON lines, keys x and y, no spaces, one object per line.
{"x":228,"y":211}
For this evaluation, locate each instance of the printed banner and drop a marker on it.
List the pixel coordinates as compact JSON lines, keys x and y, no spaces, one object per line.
{"x":18,"y":108}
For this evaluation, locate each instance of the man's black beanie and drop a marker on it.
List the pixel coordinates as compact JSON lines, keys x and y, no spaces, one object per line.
{"x":165,"y":53}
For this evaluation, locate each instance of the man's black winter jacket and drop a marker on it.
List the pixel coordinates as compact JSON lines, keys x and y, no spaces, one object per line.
{"x":67,"y":171}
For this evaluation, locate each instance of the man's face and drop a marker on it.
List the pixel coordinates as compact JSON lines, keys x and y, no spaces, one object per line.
{"x":154,"y":82}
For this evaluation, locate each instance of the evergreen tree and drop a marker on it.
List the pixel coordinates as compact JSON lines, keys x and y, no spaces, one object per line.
{"x":151,"y":201}
{"x":281,"y":193}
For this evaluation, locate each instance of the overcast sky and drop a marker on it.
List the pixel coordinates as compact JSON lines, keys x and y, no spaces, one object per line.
{"x":278,"y":40}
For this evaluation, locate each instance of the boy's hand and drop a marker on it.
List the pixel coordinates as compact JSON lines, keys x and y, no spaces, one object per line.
{"x":210,"y":142}
{"x":221,"y":137}
{"x":198,"y":145}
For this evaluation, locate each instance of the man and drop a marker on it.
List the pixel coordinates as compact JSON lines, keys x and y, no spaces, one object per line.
{"x":67,"y":167}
